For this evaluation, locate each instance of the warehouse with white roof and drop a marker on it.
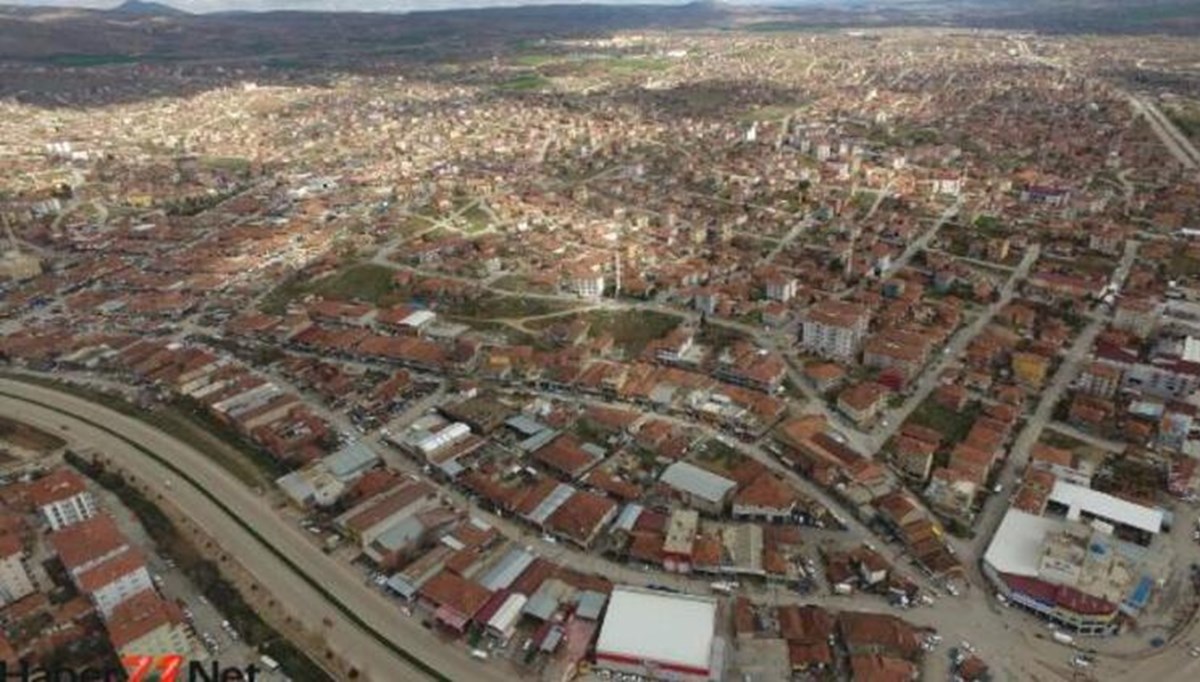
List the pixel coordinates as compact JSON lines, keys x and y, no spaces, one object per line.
{"x":661,"y":636}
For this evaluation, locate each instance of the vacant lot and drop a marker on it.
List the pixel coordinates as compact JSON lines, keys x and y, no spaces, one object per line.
{"x":366,"y":282}
{"x":631,"y":329}
{"x":27,"y":438}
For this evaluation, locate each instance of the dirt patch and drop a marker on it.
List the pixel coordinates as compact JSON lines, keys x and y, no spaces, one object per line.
{"x":24,"y":439}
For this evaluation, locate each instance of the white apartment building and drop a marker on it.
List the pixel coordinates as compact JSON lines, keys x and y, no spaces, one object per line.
{"x":834,"y":329}
{"x":62,"y":499}
{"x":14,"y":579}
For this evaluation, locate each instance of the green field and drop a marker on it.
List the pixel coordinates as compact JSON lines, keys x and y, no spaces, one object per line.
{"x":953,"y":425}
{"x":525,"y":82}
{"x":366,"y":282}
{"x":631,"y":329}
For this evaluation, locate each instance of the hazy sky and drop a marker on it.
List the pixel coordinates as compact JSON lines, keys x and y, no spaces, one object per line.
{"x":335,"y":5}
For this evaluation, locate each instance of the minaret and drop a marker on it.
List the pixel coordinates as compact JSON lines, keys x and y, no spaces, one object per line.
{"x":617,"y":259}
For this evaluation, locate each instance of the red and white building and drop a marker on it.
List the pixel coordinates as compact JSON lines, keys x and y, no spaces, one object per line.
{"x":661,"y":636}
{"x":62,"y":498}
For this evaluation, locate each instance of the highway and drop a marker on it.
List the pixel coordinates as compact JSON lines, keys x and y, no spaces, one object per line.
{"x":358,"y":623}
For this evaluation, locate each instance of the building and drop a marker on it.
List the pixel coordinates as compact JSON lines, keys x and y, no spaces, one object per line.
{"x":14,"y":579}
{"x":1100,"y":380}
{"x":861,"y":402}
{"x":1073,"y":574}
{"x":101,"y":562}
{"x":680,"y":540}
{"x":588,"y":285}
{"x":62,"y":498}
{"x":766,"y":498}
{"x":1063,"y":464}
{"x":699,"y":488}
{"x":1128,"y":520}
{"x":148,"y":625}
{"x":834,"y":329}
{"x":1030,"y":369}
{"x":661,"y":636}
{"x":1137,"y":315}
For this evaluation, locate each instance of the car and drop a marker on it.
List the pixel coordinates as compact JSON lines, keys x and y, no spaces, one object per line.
{"x":1080,"y":662}
{"x":1195,"y":652}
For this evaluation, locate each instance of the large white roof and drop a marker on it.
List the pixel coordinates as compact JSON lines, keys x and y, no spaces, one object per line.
{"x":1080,"y":499}
{"x":659,"y":626}
{"x":1016,"y":547}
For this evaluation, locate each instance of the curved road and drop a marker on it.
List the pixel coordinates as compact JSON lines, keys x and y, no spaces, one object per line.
{"x":94,"y":426}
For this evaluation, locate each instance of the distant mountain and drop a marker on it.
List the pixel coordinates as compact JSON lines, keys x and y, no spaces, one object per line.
{"x":147,"y":9}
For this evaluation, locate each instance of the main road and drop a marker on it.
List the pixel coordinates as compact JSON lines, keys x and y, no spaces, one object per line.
{"x":357,"y":622}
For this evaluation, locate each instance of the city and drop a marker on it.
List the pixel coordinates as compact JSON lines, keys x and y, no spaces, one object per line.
{"x":701,"y":342}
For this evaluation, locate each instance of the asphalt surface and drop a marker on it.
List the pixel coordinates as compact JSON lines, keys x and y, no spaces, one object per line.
{"x":374,"y":660}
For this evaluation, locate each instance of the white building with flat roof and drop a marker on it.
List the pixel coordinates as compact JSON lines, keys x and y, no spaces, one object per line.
{"x":661,"y":636}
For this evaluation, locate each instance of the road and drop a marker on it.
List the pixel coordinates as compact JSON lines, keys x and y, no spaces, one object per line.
{"x":1067,"y":372}
{"x":374,"y":660}
{"x":957,"y":344}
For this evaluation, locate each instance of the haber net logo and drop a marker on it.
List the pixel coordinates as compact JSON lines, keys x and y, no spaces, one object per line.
{"x":170,"y":668}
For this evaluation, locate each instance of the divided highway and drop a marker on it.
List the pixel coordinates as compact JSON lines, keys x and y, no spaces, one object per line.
{"x":356,"y":621}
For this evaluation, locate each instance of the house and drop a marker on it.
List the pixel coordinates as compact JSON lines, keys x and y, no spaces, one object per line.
{"x":824,"y":375}
{"x":766,"y":498}
{"x":452,"y":600}
{"x":581,"y":518}
{"x":810,"y":632}
{"x":877,"y":633}
{"x":914,"y":456}
{"x":1062,"y":464}
{"x":862,"y":402}
{"x":568,"y":456}
{"x":876,"y":668}
{"x":1030,"y":369}
{"x":834,"y":329}
{"x":952,"y":492}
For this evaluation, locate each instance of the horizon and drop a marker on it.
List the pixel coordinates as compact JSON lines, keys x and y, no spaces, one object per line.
{"x":394,"y":6}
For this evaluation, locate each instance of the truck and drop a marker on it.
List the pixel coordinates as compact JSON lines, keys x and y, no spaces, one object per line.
{"x":1063,"y":638}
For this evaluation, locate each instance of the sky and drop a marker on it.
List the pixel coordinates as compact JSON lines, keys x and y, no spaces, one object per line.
{"x":341,"y":5}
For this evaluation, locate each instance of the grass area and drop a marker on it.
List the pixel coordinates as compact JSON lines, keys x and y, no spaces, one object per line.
{"x":229,"y":164}
{"x":787,"y":26}
{"x":525,"y":82}
{"x":204,"y":573}
{"x":953,"y":425}
{"x":718,"y":456}
{"x":534,"y":60}
{"x":27,"y":437}
{"x":1182,"y":263}
{"x":226,"y":447}
{"x":770,"y":112}
{"x":88,"y":60}
{"x":367,"y":282}
{"x":502,"y":307}
{"x":627,"y":65}
{"x":1060,"y":440}
{"x":631,"y":329}
{"x":522,"y":283}
{"x":477,"y":218}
